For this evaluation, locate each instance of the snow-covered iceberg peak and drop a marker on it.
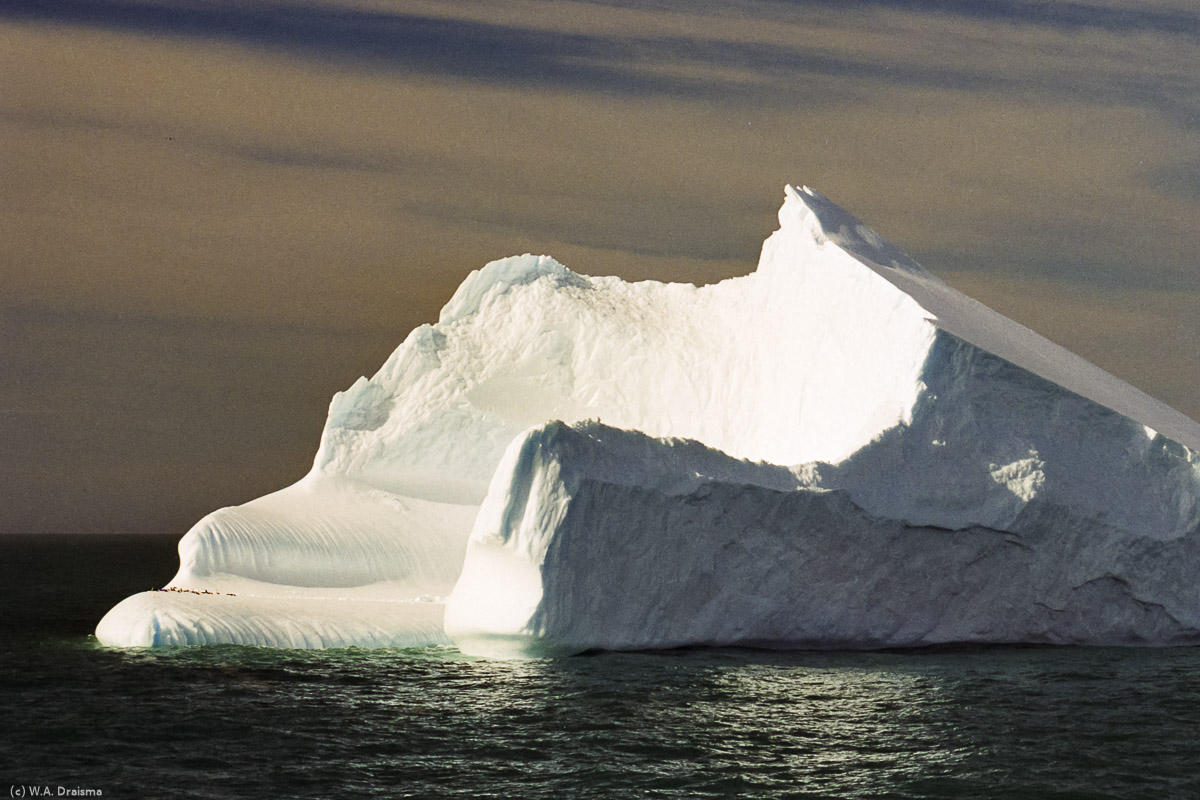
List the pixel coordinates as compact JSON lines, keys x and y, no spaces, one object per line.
{"x":806,"y":212}
{"x":757,"y":366}
{"x":498,"y":277}
{"x":811,"y":212}
{"x":840,"y":386}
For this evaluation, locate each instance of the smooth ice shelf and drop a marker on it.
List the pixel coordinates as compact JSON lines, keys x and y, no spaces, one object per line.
{"x":838,"y":450}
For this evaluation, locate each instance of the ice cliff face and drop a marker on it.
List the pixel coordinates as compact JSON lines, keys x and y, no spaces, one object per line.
{"x":593,"y":537}
{"x":884,"y":462}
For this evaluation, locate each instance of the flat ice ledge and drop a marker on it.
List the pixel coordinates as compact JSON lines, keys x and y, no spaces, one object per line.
{"x":337,"y":619}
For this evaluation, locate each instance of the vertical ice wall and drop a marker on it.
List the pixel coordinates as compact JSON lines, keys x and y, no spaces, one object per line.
{"x":596,"y":538}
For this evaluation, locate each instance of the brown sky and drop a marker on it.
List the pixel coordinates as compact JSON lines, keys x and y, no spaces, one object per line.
{"x":216,"y":214}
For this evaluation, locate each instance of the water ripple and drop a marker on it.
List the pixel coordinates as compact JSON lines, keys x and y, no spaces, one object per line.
{"x":236,"y":722}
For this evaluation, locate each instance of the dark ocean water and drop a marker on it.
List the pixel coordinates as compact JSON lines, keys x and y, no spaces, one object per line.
{"x":233,"y":722}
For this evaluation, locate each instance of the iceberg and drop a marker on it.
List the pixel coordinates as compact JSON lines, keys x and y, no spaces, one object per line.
{"x":837,"y":450}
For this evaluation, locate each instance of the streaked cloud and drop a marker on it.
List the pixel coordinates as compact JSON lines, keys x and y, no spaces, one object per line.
{"x":746,"y":52}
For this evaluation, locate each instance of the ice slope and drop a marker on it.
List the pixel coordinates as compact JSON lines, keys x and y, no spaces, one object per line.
{"x":839,"y":354}
{"x":593,"y":537}
{"x":322,"y":563}
{"x":969,"y":320}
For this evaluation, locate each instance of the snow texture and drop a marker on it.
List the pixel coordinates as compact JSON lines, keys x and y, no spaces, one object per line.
{"x":838,"y":450}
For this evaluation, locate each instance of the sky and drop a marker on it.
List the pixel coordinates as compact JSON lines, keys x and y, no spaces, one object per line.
{"x":215,"y":214}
